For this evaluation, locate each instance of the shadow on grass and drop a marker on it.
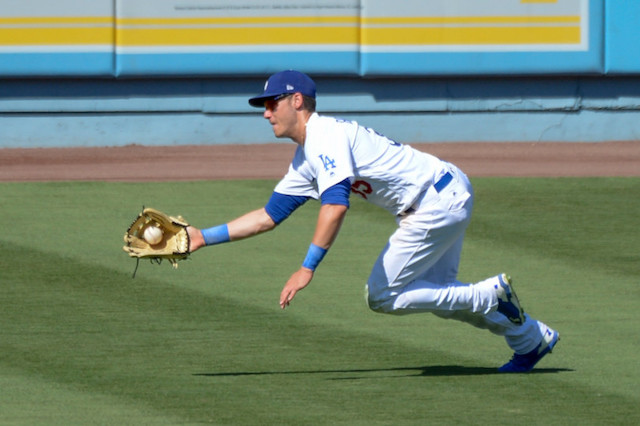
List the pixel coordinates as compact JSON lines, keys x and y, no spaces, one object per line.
{"x":433,"y":370}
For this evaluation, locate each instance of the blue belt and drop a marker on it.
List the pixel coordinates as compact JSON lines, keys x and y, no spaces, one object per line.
{"x":438,"y":186}
{"x":443,"y":182}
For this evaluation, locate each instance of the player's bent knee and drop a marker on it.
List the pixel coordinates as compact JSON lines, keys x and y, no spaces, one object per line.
{"x":382,"y":305}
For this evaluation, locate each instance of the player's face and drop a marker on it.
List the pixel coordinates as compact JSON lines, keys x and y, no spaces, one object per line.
{"x":281,"y":114}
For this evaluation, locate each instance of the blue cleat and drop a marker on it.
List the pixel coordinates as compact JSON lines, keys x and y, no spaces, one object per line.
{"x":525,"y":363}
{"x":508,"y":304}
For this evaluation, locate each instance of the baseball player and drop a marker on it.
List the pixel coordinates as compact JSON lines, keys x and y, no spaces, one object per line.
{"x":430,"y":199}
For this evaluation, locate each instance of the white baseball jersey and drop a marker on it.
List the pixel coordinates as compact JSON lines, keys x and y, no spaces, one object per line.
{"x":382,"y":171}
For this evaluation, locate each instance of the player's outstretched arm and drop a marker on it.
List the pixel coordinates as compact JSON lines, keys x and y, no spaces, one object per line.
{"x":245,"y":226}
{"x":250,"y":224}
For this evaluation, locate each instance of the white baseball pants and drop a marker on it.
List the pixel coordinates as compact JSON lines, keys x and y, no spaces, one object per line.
{"x":417,"y":270}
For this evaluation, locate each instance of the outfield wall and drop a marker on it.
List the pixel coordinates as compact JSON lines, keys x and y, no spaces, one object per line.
{"x":113,"y":72}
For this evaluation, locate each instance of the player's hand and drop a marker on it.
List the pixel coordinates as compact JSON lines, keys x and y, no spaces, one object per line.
{"x":299,"y":280}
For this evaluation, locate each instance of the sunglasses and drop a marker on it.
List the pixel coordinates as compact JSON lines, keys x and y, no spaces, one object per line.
{"x":271,"y":103}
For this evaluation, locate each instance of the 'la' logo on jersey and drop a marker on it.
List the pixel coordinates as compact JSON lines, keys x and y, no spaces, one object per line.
{"x":328,"y":162}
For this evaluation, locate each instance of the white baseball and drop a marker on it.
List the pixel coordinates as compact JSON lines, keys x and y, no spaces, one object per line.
{"x":152,"y":235}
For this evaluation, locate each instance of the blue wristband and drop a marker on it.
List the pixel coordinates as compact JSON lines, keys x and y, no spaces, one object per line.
{"x":314,"y":257}
{"x":216,"y":235}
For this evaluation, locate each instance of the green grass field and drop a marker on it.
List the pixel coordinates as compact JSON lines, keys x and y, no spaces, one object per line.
{"x":81,"y":342}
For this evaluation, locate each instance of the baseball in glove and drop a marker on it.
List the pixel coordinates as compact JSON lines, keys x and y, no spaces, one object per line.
{"x":156,"y":236}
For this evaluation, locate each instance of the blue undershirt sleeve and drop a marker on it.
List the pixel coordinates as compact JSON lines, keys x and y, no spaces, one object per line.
{"x":337,"y":194}
{"x":280,"y":206}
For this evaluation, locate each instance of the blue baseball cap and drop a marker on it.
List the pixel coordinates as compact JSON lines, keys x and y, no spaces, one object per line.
{"x":284,"y":83}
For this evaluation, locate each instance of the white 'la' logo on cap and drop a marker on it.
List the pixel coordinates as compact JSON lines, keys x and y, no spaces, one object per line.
{"x":289,"y":87}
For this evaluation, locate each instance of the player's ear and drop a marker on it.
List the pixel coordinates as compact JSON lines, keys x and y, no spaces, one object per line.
{"x":298,"y":100}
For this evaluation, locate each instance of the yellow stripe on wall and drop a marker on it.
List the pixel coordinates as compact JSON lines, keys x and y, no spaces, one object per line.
{"x":56,"y":36}
{"x":236,"y":36}
{"x":136,"y":32}
{"x":56,"y":31}
{"x":341,"y":30}
{"x":472,"y":36}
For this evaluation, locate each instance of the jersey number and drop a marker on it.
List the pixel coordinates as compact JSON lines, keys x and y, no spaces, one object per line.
{"x":362,"y":188}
